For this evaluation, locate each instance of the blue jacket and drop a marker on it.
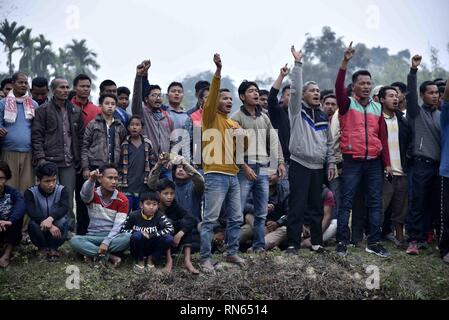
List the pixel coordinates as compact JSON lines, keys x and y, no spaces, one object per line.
{"x":12,"y":205}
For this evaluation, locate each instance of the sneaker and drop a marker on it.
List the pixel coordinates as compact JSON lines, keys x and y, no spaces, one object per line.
{"x":318,"y":249}
{"x":342,"y":249}
{"x":138,"y":269}
{"x":291,"y":250}
{"x":378,"y":250}
{"x":236,"y":260}
{"x":412,"y":248}
{"x":149,"y":268}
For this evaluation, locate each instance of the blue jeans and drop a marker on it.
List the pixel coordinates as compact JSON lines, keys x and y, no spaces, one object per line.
{"x":370,"y":175}
{"x":89,"y":244}
{"x":221,"y":188}
{"x":44,"y":239}
{"x":259,"y":188}
{"x":141,"y":247}
{"x":134,"y":201}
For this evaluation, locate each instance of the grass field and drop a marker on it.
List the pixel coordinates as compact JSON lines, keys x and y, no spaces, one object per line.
{"x":270,"y":275}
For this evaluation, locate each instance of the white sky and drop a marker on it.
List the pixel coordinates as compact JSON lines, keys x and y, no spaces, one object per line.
{"x":253,"y":36}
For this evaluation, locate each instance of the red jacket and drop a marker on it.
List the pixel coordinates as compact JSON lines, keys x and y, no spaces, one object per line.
{"x":90,"y":111}
{"x":363,"y":129}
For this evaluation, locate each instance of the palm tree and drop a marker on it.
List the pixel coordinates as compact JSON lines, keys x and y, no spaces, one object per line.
{"x":61,"y":65}
{"x":82,"y":59}
{"x":44,"y":57}
{"x":26,"y":43}
{"x":9,"y":35}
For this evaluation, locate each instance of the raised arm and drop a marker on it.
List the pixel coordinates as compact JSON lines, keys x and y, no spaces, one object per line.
{"x":412,"y":88}
{"x":340,"y":89}
{"x":136,"y":105}
{"x":273,"y":103}
{"x":211,"y":105}
{"x":294,"y":106}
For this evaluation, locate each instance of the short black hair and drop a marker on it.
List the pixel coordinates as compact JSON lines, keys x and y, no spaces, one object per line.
{"x":151,"y":88}
{"x":4,"y":167}
{"x":201,"y":85}
{"x":149,"y":196}
{"x":137,"y":117}
{"x":202,"y":91}
{"x":359,"y":73}
{"x":245,"y":85}
{"x":80,"y":77}
{"x":285,"y":88}
{"x":165,"y":184}
{"x":383,"y":91}
{"x":46,"y":169}
{"x":105,"y":167}
{"x":424,"y":85}
{"x":264,"y":92}
{"x":39,"y":82}
{"x":175,"y":84}
{"x":106,"y":83}
{"x":401,"y":85}
{"x":225,"y":90}
{"x":5,"y":82}
{"x":107,"y":95}
{"x":325,"y":93}
{"x":72,"y":93}
{"x":123,"y":90}
{"x":328,"y":96}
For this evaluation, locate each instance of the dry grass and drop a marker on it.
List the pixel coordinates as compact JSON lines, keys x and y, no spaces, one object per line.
{"x":271,"y":276}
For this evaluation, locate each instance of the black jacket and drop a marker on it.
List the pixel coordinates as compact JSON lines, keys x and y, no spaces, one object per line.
{"x":280,"y":121}
{"x":180,"y":218}
{"x":47,"y":133}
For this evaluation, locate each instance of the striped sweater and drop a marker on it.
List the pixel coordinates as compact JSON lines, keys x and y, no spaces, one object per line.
{"x":104,"y":217}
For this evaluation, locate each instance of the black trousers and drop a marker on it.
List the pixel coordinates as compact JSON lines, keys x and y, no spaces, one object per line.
{"x":425,"y":200}
{"x":82,"y":215}
{"x":306,"y":187}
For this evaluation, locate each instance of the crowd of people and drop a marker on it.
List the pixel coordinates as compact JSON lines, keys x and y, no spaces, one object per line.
{"x":282,"y":172}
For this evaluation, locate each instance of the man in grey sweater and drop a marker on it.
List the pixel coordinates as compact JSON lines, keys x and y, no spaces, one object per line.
{"x":263,"y":149}
{"x":426,"y":154}
{"x":310,"y":148}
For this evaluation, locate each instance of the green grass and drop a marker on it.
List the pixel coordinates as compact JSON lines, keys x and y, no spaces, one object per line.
{"x":268,"y":276}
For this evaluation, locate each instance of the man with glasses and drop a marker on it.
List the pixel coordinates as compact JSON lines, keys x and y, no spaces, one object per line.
{"x":158,"y":124}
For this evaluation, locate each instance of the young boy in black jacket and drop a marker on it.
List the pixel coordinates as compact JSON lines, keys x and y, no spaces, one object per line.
{"x":151,"y":234}
{"x":183,"y":222}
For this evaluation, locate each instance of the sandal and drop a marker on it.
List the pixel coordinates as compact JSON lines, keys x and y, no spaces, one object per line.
{"x":54,"y":256}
